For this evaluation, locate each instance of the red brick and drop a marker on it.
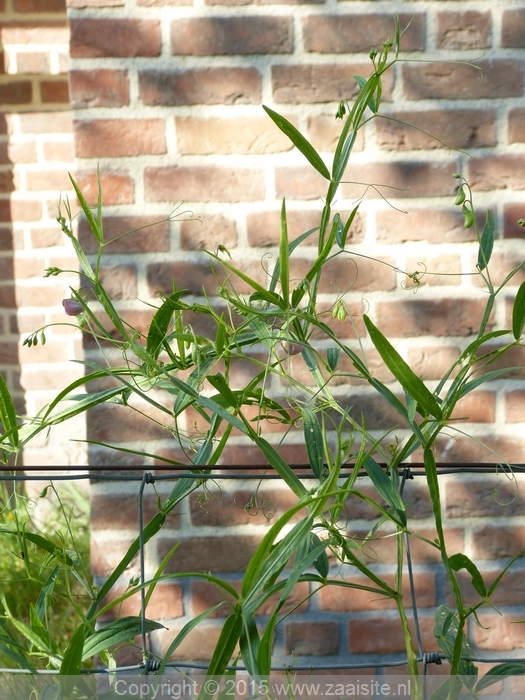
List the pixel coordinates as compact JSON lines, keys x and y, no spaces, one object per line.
{"x":510,"y":591}
{"x":422,"y":224}
{"x":164,"y":604}
{"x":32,"y":62}
{"x":500,"y":633}
{"x":81,"y":4}
{"x":352,"y":272}
{"x":220,"y":36}
{"x":515,"y":406}
{"x":502,"y":172}
{"x":435,"y":272}
{"x":299,"y":182}
{"x":54,"y":91}
{"x":297,"y":84}
{"x":249,"y":454}
{"x":264,"y":2}
{"x":420,"y":317}
{"x":17,"y":153}
{"x":477,"y":407}
{"x":464,"y":30}
{"x":113,"y":138}
{"x":199,"y":645}
{"x":99,"y":88}
{"x":264,"y":227}
{"x":402,"y":179}
{"x":111,"y":512}
{"x":432,"y":362}
{"x":20,"y":210}
{"x":117,"y":186}
{"x":163,"y":3}
{"x":342,"y":599}
{"x":208,"y":233}
{"x":58,"y":180}
{"x":119,"y":38}
{"x":382,"y":636}
{"x":217,"y":554}
{"x":358,"y":33}
{"x":324,"y":132}
{"x":458,"y":128}
{"x":46,"y":123}
{"x":501,"y":78}
{"x":242,"y":507}
{"x":119,"y":281}
{"x":488,"y":449}
{"x":105,"y":556}
{"x":115,"y":424}
{"x":496,"y":497}
{"x":16,"y":92}
{"x":196,"y":276}
{"x":516,"y":126}
{"x":9,"y":353}
{"x":200,"y":86}
{"x":512,"y":213}
{"x":501,"y":264}
{"x":205,"y":594}
{"x":59,"y":151}
{"x":200,"y":183}
{"x":204,"y":136}
{"x":39,"y":6}
{"x":311,"y":638}
{"x":512,"y":29}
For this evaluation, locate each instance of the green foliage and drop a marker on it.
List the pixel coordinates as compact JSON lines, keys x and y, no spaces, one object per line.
{"x":263,"y":328}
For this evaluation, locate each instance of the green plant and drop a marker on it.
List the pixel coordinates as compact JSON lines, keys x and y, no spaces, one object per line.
{"x":276,"y":321}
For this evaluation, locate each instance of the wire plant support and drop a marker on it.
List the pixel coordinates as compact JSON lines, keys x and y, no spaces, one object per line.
{"x":145,"y":479}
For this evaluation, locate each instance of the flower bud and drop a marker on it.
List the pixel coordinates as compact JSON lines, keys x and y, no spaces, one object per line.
{"x":72,"y":307}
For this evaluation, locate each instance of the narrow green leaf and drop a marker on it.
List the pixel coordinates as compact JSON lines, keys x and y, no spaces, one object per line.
{"x":299,"y":141}
{"x":160,"y":323}
{"x":518,"y":312}
{"x":332,"y":358}
{"x":410,"y":382}
{"x":225,"y":647}
{"x":461,"y":561}
{"x":8,"y":413}
{"x":362,"y":84}
{"x":123,"y":630}
{"x":45,"y":592}
{"x":72,"y":659}
{"x":218,"y":381}
{"x":487,"y":242}
{"x":183,"y":634}
{"x":92,"y":221}
{"x":150,"y":530}
{"x":342,"y":235}
{"x":509,"y":668}
{"x":386,"y":488}
{"x":283,"y":257}
{"x":321,"y":562}
{"x":313,"y":438}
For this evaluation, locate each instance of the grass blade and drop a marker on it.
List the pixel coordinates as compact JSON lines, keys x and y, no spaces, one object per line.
{"x":8,"y":413}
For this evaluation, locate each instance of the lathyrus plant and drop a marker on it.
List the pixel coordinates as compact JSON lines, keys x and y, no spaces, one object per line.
{"x":264,"y":327}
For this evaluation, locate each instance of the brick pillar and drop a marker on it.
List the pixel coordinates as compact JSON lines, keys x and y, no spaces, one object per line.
{"x":37,"y":153}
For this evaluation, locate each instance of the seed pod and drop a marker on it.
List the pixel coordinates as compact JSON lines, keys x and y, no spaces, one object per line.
{"x":460,"y":197}
{"x":468,"y":217}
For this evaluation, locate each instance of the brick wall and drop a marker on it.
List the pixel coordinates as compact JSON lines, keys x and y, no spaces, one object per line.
{"x":36,"y":145}
{"x":166,"y":98}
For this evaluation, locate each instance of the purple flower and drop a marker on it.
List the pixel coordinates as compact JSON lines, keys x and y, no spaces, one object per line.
{"x":72,"y":307}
